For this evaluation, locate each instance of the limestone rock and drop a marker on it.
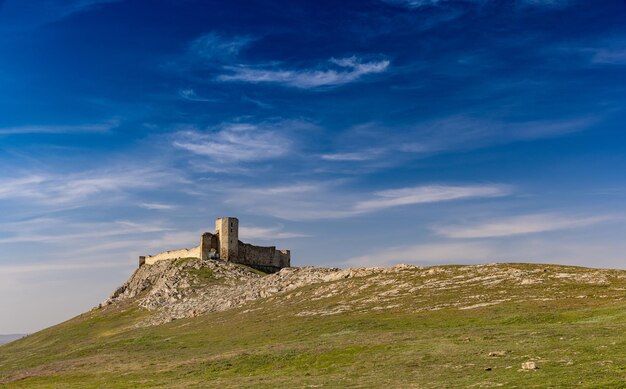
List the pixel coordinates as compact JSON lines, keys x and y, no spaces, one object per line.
{"x":529,"y":365}
{"x":183,"y":288}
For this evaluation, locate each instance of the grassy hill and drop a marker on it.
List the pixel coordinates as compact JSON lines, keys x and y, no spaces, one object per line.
{"x":9,"y":338}
{"x":401,"y":327}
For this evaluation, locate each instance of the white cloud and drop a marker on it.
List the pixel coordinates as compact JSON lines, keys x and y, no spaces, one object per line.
{"x":72,"y":189}
{"x":56,"y":231}
{"x":236,"y":142}
{"x":19,"y":14}
{"x":214,"y":47}
{"x":346,"y":70}
{"x":519,"y":225}
{"x":394,"y":146}
{"x":569,"y":251}
{"x":426,"y":254}
{"x":428,"y":194}
{"x":415,"y":4}
{"x":609,"y":56}
{"x":49,"y":267}
{"x":81,"y":5}
{"x":20,"y":187}
{"x":60,"y":129}
{"x":547,"y":3}
{"x":325,"y":200}
{"x":465,"y":132}
{"x":157,"y":206}
{"x":297,"y":201}
{"x":267,"y":233}
{"x":190,"y":94}
{"x":352,"y":156}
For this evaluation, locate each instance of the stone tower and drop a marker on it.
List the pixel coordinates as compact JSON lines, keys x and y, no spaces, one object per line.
{"x":228,"y":230}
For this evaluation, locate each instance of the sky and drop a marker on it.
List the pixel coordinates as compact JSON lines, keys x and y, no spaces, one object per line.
{"x":355,"y":133}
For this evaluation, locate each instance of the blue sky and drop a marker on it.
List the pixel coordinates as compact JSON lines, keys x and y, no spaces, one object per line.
{"x":355,"y":133}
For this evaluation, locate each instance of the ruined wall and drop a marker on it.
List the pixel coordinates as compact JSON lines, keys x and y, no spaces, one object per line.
{"x":175,"y":254}
{"x":209,"y":243}
{"x":282,"y":258}
{"x":263,"y":258}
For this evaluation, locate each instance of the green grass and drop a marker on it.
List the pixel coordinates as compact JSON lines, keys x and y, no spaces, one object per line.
{"x":577,"y":343}
{"x":203,"y":275}
{"x":181,"y":261}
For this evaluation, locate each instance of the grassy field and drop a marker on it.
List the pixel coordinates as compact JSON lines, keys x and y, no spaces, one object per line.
{"x":576,"y":340}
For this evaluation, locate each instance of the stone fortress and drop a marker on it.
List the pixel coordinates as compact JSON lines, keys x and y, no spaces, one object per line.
{"x":226,"y":246}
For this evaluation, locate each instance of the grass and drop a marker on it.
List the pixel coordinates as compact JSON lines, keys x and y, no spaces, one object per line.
{"x":577,"y":343}
{"x":181,"y":261}
{"x":203,"y":275}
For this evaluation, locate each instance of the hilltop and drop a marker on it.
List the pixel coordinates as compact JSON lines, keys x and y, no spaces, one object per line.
{"x":199,"y":323}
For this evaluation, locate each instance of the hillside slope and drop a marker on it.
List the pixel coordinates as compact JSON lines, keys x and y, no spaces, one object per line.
{"x":9,"y":338}
{"x":190,"y":323}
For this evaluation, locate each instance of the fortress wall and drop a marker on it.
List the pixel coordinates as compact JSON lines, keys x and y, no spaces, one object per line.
{"x":256,"y":255}
{"x":175,"y":254}
{"x":282,"y":258}
{"x":208,"y":242}
{"x":225,"y":245}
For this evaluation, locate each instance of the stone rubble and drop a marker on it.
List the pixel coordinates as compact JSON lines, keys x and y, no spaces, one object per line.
{"x":529,"y":365}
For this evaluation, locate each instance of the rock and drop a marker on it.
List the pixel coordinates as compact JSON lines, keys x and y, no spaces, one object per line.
{"x":180,"y":289}
{"x":497,"y":353}
{"x":529,"y":365}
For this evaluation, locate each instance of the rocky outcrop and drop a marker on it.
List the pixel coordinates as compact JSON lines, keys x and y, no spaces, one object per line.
{"x":190,"y":287}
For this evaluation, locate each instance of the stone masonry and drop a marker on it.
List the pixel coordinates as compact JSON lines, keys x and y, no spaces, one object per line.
{"x":224,"y":244}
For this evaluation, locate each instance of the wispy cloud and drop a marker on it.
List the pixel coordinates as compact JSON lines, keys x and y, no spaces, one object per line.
{"x":519,"y":225}
{"x":608,"y":55}
{"x":416,"y":4}
{"x":325,"y":200}
{"x":337,"y":72}
{"x":49,"y":267}
{"x":548,"y":3}
{"x":190,"y":94}
{"x":565,"y":251}
{"x":421,"y":3}
{"x":158,"y":206}
{"x":428,"y":194}
{"x":444,"y":135}
{"x":465,"y":132}
{"x":216,"y":53}
{"x":352,"y":156}
{"x":49,"y":230}
{"x":268,"y":233}
{"x":73,"y":188}
{"x":258,"y":103}
{"x":238,"y":142}
{"x":60,"y":129}
{"x":214,"y":47}
{"x":427,"y":254}
{"x":23,"y":15}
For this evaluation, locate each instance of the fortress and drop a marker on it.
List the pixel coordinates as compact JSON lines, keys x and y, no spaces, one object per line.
{"x":226,"y":246}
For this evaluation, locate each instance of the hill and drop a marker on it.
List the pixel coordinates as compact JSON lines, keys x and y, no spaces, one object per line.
{"x":9,"y":338}
{"x":193,"y":323}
